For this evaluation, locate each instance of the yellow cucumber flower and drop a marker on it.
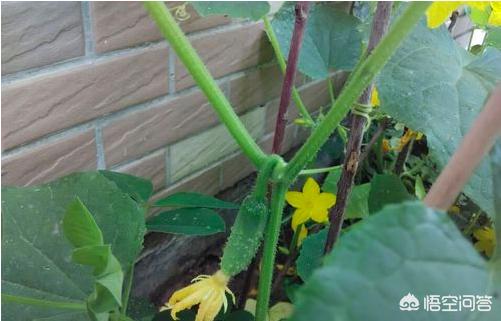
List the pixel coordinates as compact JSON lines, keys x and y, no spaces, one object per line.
{"x":485,"y":240}
{"x":310,"y":204}
{"x":440,"y":11}
{"x":207,"y":290}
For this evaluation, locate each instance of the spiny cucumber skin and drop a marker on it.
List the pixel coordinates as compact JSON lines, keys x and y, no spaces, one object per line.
{"x":245,"y":237}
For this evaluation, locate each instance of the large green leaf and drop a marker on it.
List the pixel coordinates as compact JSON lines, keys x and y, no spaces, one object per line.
{"x":493,"y":38}
{"x":188,"y":221}
{"x":437,"y":88}
{"x":186,"y":199}
{"x":332,"y":39}
{"x":38,"y":257}
{"x":254,"y":10}
{"x":405,"y":248}
{"x":386,"y":189}
{"x":357,"y":206}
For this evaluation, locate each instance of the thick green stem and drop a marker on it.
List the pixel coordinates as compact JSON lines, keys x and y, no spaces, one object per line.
{"x":269,"y":250}
{"x":360,"y":79}
{"x":178,"y":41}
{"x":281,"y":63}
{"x":44,"y":303}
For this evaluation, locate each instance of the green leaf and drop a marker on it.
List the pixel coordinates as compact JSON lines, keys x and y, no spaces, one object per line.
{"x":332,"y":39}
{"x":39,"y":264}
{"x":254,"y":10}
{"x":386,"y":189}
{"x":435,"y":87}
{"x":184,"y":199}
{"x":188,"y":221}
{"x":493,"y":38}
{"x":405,"y":248}
{"x":79,"y":226}
{"x":138,"y":188}
{"x":357,"y":206}
{"x":311,"y":254}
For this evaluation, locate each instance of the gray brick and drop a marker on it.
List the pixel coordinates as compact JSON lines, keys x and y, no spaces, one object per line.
{"x":40,"y":33}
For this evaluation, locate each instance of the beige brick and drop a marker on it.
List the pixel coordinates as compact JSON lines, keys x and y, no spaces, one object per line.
{"x":235,"y":169}
{"x":151,"y":167}
{"x":205,"y":182}
{"x":165,"y":123}
{"x":55,"y":101}
{"x":289,"y":140}
{"x":124,"y":24}
{"x":256,"y":87}
{"x":228,"y":51}
{"x":194,"y":153}
{"x":35,"y":34}
{"x":51,"y":160}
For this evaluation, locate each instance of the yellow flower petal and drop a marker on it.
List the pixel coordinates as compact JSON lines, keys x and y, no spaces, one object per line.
{"x":438,"y":12}
{"x":299,"y":217}
{"x":325,"y":200}
{"x":320,"y":215}
{"x":480,"y":5}
{"x":375,"y":97}
{"x":311,"y":188}
{"x":495,"y":18}
{"x":207,"y":291}
{"x":295,"y":199}
{"x":485,"y":233}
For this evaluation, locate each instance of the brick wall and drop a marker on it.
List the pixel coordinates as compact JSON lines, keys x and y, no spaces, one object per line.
{"x":93,"y":86}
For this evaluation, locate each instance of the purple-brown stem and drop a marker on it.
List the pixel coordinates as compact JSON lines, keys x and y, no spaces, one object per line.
{"x":301,"y":12}
{"x":336,"y":215}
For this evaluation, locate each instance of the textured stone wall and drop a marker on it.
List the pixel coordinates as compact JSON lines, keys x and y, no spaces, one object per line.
{"x":93,"y":86}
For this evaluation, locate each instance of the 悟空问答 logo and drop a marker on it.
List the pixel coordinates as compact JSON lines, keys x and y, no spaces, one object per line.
{"x":409,"y":303}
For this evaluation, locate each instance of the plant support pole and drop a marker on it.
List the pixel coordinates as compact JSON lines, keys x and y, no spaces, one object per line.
{"x":301,"y":14}
{"x":178,"y":41}
{"x":380,"y":25}
{"x":361,"y":78}
{"x":475,"y":145}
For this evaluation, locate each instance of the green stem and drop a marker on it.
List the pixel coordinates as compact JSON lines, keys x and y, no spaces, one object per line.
{"x":281,"y":63}
{"x":128,"y":287}
{"x":319,"y":170}
{"x":269,"y":250}
{"x":44,"y":303}
{"x":360,"y":79}
{"x":178,"y":41}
